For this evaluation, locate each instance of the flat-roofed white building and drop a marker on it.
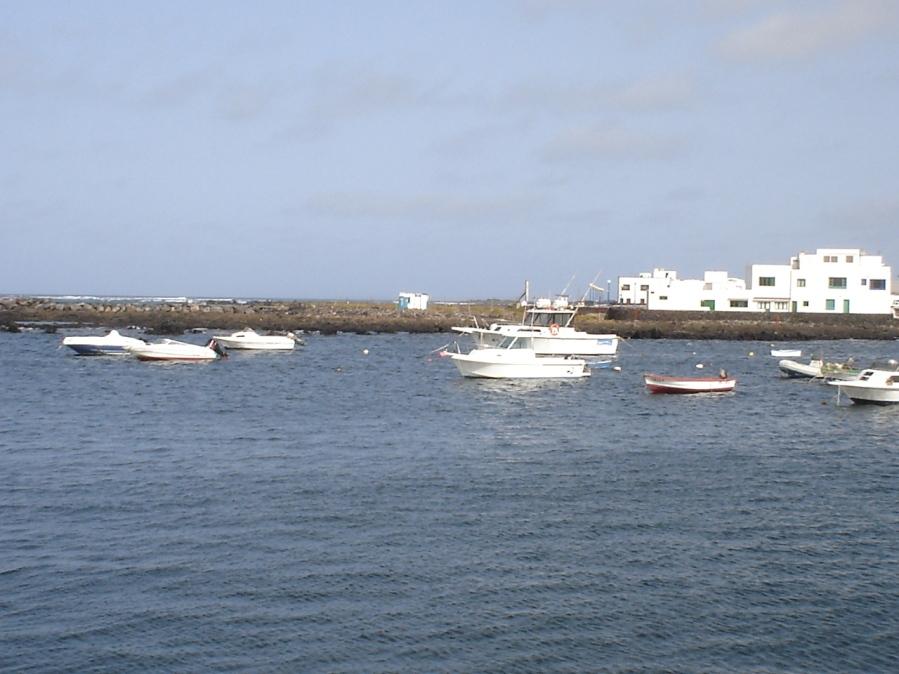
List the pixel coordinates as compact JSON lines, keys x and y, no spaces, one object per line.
{"x":831,"y":280}
{"x":840,"y":280}
{"x":661,"y":289}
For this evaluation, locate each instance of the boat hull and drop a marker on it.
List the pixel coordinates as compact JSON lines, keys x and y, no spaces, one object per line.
{"x":858,"y":393}
{"x":685,"y":385}
{"x":97,"y":350}
{"x":257,"y":345}
{"x":172,"y":350}
{"x":493,"y":366}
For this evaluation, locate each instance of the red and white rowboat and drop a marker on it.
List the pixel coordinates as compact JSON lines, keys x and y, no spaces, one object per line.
{"x":657,"y":383}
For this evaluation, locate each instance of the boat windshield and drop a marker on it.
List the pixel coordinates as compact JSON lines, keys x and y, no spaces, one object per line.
{"x":887,"y":364}
{"x":513,"y":342}
{"x":544,"y":319}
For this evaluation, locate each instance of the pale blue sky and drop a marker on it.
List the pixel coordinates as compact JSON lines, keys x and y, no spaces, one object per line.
{"x":356,"y":149}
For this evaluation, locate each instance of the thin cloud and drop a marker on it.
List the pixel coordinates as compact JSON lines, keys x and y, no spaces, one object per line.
{"x":800,"y":34}
{"x":612,"y":143}
{"x":653,"y":93}
{"x":423,"y":208}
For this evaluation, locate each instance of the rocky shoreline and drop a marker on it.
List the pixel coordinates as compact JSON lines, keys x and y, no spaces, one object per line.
{"x":332,"y":317}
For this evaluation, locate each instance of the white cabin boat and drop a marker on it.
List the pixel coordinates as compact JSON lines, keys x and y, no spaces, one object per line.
{"x":112,"y":344}
{"x":549,"y":324}
{"x":170,"y":349}
{"x":250,"y":339}
{"x":515,"y":358}
{"x":877,"y":384}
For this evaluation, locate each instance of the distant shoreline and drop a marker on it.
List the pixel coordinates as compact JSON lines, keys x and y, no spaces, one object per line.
{"x":365,"y":317}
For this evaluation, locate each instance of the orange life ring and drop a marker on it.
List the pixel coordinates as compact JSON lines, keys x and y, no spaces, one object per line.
{"x":554,"y":329}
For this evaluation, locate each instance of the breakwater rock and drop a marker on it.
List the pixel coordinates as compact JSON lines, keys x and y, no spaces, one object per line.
{"x":328,"y":317}
{"x":331,"y":317}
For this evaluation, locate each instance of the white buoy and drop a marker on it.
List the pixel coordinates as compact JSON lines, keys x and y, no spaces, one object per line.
{"x":752,"y":353}
{"x":617,"y":368}
{"x":699,"y":366}
{"x":364,"y":352}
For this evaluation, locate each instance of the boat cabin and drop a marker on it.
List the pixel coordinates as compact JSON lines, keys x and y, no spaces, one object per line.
{"x":885,"y":365}
{"x":516,"y":342}
{"x":544,"y":318}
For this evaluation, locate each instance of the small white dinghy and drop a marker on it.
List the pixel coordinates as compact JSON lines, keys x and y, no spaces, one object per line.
{"x":112,"y":344}
{"x":170,"y":349}
{"x":515,"y":358}
{"x":250,"y":339}
{"x":658,"y":383}
{"x":786,"y":353}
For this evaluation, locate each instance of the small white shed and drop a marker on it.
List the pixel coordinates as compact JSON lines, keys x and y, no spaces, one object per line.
{"x":413,"y":301}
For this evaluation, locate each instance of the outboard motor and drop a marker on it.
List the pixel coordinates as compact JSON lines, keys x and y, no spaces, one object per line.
{"x":215,"y":346}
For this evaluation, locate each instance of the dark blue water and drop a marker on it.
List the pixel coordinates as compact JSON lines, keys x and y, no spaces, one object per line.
{"x":330,"y":511}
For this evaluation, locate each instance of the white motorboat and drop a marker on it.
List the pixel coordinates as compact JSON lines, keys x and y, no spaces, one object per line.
{"x":548,"y":324}
{"x":250,"y":339}
{"x":877,"y":384}
{"x":112,"y":344}
{"x":658,"y":383}
{"x":515,"y":358}
{"x":786,"y":353}
{"x":170,"y":349}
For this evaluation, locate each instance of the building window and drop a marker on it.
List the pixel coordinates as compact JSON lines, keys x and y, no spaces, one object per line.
{"x":644,"y":288}
{"x":626,"y":286}
{"x":864,"y":281}
{"x":800,"y":283}
{"x":850,"y":258}
{"x":663,"y":297}
{"x":830,"y":258}
{"x":830,"y":305}
{"x":878,"y":284}
{"x":763,"y":306}
{"x":838,"y":282}
{"x":780,"y":306}
{"x":739,"y":304}
{"x":766,"y":280}
{"x":805,"y":303}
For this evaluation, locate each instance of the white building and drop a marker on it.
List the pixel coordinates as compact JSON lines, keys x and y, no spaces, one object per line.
{"x":413,"y":301}
{"x":661,"y":289}
{"x":831,"y":280}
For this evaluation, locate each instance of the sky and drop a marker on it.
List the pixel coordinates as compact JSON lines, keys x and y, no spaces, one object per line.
{"x":355,"y":149}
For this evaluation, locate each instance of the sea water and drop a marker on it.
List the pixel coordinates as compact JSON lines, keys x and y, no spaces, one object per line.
{"x":331,"y":510}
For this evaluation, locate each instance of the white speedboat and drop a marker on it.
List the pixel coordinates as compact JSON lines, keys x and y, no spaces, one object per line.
{"x":658,"y":383}
{"x":877,"y":384}
{"x":548,"y":324}
{"x":170,"y":349}
{"x":515,"y":358}
{"x":250,"y":339}
{"x":112,"y":344}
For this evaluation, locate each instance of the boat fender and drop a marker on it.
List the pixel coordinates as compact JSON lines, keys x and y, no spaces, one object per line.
{"x":554,"y":329}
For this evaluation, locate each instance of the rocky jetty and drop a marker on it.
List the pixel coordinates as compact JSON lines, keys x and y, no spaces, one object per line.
{"x":328,"y":317}
{"x":332,"y":317}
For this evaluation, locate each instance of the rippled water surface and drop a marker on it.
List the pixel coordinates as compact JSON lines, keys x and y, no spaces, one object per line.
{"x":331,"y":511}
